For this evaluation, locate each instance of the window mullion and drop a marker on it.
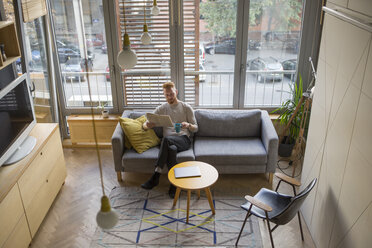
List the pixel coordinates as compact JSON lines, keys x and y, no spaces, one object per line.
{"x":109,"y":14}
{"x":176,"y":46}
{"x":241,"y":58}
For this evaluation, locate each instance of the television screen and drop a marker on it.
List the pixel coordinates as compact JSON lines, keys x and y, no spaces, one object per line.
{"x":15,"y":115}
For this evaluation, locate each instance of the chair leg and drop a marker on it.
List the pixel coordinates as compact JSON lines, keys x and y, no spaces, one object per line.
{"x":299,"y":221}
{"x":268,"y":226}
{"x":241,"y":230}
{"x":277,"y":187}
{"x":294,"y":190}
{"x":119,"y":176}
{"x":271,"y":176}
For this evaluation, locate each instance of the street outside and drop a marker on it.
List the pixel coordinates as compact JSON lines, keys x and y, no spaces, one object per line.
{"x":215,"y":90}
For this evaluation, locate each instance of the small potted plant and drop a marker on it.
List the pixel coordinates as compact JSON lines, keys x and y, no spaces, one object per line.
{"x":105,"y":112}
{"x":286,"y":111}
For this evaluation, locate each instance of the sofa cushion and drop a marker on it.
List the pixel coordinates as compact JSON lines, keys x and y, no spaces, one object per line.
{"x":136,"y":114}
{"x":145,"y":162}
{"x":230,"y":151}
{"x":228,"y":123}
{"x":140,"y":139}
{"x":127,"y":143}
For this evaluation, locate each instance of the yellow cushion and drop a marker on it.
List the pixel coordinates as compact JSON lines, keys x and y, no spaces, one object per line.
{"x":127,"y":143}
{"x":140,"y":139}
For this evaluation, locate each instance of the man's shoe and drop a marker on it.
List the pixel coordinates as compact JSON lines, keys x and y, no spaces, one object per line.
{"x":172,"y":191}
{"x":152,"y":182}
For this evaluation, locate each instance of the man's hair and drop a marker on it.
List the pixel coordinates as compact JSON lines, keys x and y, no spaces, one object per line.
{"x":168,"y":85}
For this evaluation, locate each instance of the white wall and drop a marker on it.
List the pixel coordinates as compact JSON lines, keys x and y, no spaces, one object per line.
{"x":361,"y":6}
{"x":338,"y":212}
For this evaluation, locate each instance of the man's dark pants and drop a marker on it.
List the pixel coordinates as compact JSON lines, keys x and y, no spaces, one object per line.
{"x":170,"y":146}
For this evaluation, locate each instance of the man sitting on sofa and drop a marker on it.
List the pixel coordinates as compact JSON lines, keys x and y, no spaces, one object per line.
{"x":172,"y":141}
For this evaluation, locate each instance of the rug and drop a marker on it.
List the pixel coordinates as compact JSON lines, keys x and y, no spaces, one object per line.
{"x":147,"y":219}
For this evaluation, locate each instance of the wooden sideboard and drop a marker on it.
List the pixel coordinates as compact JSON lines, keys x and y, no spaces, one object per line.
{"x":29,"y":187}
{"x":81,"y":129}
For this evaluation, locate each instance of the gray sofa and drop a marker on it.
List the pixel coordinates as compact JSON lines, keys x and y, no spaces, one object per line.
{"x":233,"y":141}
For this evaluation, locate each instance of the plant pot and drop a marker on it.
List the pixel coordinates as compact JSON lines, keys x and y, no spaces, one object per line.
{"x":285,"y":150}
{"x":105,"y":113}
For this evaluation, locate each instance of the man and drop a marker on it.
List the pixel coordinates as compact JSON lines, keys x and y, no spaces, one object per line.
{"x":172,"y":141}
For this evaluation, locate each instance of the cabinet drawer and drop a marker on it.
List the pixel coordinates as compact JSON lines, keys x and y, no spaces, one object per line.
{"x":36,"y":174}
{"x":11,"y":210}
{"x":83,"y":132}
{"x":43,"y":199}
{"x":20,"y":237}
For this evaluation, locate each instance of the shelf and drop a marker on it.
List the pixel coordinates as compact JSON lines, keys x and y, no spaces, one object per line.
{"x":9,"y":61}
{"x":8,"y":37}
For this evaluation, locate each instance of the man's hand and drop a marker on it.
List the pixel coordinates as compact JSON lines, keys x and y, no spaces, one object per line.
{"x":185,"y":125}
{"x":148,"y":125}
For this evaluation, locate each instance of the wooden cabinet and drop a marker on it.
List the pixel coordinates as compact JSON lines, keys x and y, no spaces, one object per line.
{"x":20,"y":236}
{"x":29,"y":187}
{"x":8,"y":37}
{"x":81,"y":129}
{"x":11,"y":211}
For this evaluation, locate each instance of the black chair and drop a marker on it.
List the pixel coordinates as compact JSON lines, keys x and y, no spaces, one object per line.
{"x":275,"y":207}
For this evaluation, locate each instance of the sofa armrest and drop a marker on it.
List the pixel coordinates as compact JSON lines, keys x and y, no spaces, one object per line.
{"x":270,"y":141}
{"x":118,"y":146}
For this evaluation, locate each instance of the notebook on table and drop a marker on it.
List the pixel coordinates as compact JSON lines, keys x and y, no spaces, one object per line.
{"x":191,"y":171}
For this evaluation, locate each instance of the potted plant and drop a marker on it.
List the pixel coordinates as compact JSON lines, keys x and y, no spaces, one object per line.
{"x":105,"y":112}
{"x":286,"y":111}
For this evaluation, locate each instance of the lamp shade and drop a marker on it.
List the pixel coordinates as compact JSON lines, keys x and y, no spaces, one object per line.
{"x":106,"y":218}
{"x":127,"y":58}
{"x":155,"y":9}
{"x":145,"y":37}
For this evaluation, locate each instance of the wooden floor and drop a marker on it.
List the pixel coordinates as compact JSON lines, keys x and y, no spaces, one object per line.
{"x":70,"y":221}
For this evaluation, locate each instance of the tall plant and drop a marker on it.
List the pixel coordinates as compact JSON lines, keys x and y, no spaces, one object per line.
{"x":288,"y":108}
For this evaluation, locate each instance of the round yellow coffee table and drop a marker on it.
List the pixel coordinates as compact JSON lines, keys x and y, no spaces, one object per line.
{"x":209,"y":176}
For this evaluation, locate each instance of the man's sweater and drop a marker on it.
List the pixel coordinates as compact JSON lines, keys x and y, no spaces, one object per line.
{"x":178,"y":113}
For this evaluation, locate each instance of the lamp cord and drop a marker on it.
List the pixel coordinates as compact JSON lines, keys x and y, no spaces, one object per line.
{"x":93,"y":122}
{"x":125,"y":20}
{"x":144,"y":11}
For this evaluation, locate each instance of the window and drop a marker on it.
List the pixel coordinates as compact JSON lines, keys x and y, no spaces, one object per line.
{"x":142,"y":85}
{"x":35,"y":51}
{"x":38,"y":69}
{"x":82,"y":52}
{"x":273,"y":46}
{"x":214,"y":36}
{"x":215,"y":61}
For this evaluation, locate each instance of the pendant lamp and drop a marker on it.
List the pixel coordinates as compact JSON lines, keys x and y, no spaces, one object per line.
{"x":145,"y":37}
{"x":106,"y":217}
{"x":155,"y":9}
{"x":127,"y":58}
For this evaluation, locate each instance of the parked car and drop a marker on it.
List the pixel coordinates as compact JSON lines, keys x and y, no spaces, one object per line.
{"x":290,"y":64}
{"x":108,"y":77}
{"x":104,"y":48}
{"x":254,"y":45}
{"x":266,"y":64}
{"x":94,"y":42}
{"x":65,"y":53}
{"x":19,"y":65}
{"x":201,"y":54}
{"x":226,"y":46}
{"x":68,"y":49}
{"x":202,"y":77}
{"x":292,"y":46}
{"x":72,"y":66}
{"x":89,"y":64}
{"x":35,"y":55}
{"x":67,"y":44}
